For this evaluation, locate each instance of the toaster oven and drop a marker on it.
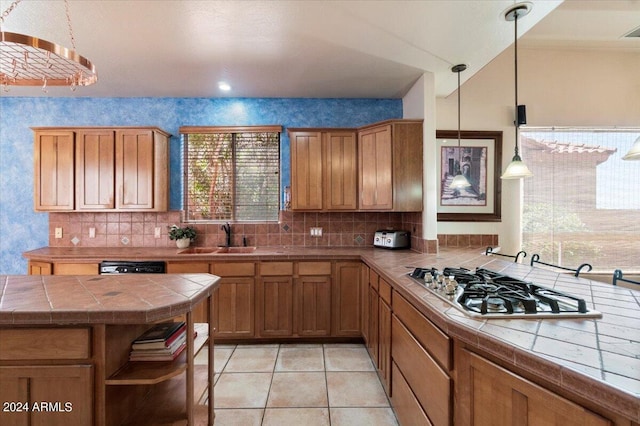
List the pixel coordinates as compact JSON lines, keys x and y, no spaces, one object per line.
{"x":392,"y":239}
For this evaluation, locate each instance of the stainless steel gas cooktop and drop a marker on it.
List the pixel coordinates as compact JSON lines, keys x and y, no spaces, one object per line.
{"x":488,"y":294}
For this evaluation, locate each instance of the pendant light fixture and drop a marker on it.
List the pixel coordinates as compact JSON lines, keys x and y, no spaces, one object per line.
{"x":459,"y":181}
{"x":30,"y":61}
{"x":516,"y":169}
{"x":634,"y":152}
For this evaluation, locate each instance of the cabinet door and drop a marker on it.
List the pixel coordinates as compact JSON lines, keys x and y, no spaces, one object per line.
{"x":384,"y":344}
{"x":375,"y":169}
{"x":54,"y":171}
{"x":62,"y":395}
{"x":312,"y":308}
{"x":40,"y":268}
{"x":515,"y":400}
{"x":274,"y":306}
{"x":234,"y":308}
{"x":340,"y":183}
{"x":364,"y":302}
{"x":134,"y":169}
{"x":95,"y":170}
{"x":372,"y":343}
{"x":306,"y":170}
{"x":346,"y":300}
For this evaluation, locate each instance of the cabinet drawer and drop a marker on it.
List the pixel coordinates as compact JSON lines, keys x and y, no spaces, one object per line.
{"x":373,"y":279}
{"x":407,"y":408}
{"x":276,"y":268}
{"x":430,"y":337}
{"x":243,"y":269}
{"x":314,"y":268}
{"x":45,"y":343}
{"x":384,"y":290}
{"x":187,"y":268}
{"x":75,"y":269}
{"x":431,"y":386}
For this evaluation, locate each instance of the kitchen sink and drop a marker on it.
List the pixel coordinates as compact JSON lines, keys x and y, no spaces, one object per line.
{"x":236,"y":250}
{"x":198,"y":250}
{"x":217,"y":250}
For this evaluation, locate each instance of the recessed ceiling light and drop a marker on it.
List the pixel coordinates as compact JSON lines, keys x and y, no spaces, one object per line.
{"x":224,"y":86}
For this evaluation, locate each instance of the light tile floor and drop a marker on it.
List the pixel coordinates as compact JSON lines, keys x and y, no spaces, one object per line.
{"x":297,"y":384}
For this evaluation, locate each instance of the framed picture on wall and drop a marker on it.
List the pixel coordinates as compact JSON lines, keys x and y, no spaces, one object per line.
{"x":479,"y":159}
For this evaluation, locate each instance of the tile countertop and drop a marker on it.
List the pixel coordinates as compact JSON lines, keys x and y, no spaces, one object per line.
{"x":597,"y":359}
{"x":104,"y":299}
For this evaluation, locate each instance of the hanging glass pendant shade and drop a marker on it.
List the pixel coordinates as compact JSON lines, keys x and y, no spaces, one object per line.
{"x":516,"y":169}
{"x":634,"y":152}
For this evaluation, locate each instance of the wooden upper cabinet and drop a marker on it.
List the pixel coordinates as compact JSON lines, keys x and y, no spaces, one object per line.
{"x":95,"y":171}
{"x":374,"y":167}
{"x":306,"y":170}
{"x":54,"y":170}
{"x":323,"y":169}
{"x":101,"y":169}
{"x":134,"y":169}
{"x":341,"y":171}
{"x":390,"y":166}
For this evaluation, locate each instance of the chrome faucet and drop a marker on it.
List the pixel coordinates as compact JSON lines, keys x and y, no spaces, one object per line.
{"x":227,"y":229}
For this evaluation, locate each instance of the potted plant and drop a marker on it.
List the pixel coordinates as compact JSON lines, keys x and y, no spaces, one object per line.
{"x":182,"y":235}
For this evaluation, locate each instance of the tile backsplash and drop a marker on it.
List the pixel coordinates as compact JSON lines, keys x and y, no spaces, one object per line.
{"x":348,"y":229}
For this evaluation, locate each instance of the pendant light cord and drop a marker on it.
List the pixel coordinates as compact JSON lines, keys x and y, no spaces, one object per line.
{"x":459,"y":148}
{"x":517,"y":126}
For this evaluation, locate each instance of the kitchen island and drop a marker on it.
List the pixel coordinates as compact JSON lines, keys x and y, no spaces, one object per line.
{"x":587,"y":364}
{"x":65,"y":343}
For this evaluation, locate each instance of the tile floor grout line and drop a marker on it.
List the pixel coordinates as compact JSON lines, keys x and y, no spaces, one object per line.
{"x":326,"y":382}
{"x":266,"y":401}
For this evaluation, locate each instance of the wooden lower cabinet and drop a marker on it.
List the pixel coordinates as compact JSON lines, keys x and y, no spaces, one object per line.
{"x":233,"y":308}
{"x":274,"y":306}
{"x":346,"y":298}
{"x":46,"y":395}
{"x":492,"y":395}
{"x":234,"y":300}
{"x":312,"y":306}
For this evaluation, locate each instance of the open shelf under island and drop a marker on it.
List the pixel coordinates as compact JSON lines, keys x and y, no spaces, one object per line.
{"x":65,"y":343}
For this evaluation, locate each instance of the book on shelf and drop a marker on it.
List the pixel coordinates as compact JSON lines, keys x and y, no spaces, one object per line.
{"x":143,"y":356}
{"x":164,"y":349}
{"x":163,"y":342}
{"x":160,"y":344}
{"x":160,"y":333}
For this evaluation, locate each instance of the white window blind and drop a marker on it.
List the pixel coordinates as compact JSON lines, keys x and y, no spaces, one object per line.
{"x":231,"y":175}
{"x":582,"y":204}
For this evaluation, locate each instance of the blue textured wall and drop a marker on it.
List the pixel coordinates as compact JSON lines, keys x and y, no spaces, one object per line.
{"x":21,"y":229}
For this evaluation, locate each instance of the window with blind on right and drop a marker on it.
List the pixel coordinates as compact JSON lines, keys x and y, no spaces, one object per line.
{"x":582,"y":204}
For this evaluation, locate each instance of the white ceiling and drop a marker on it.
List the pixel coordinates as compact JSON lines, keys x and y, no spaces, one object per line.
{"x":324,"y":49}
